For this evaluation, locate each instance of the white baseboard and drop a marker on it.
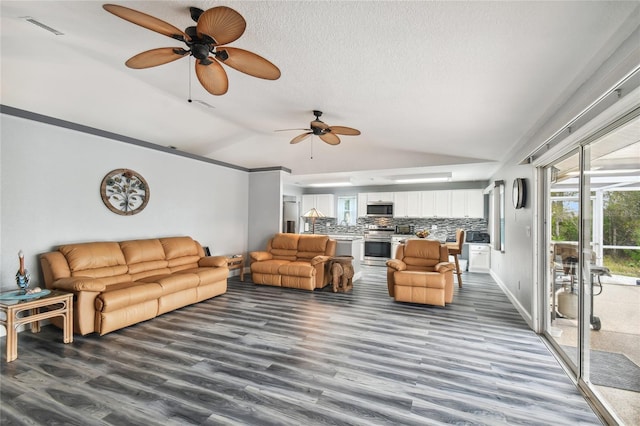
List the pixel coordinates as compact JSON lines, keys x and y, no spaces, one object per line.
{"x":521,"y":310}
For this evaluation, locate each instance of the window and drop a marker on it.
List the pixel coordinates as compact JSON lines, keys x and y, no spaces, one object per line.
{"x":347,"y":214}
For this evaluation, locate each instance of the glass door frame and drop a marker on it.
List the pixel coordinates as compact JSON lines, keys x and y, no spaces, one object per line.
{"x":579,"y":372}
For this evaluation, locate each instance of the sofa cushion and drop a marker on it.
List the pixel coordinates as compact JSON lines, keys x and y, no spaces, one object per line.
{"x":284,"y":246}
{"x":419,"y":279}
{"x":144,"y":257}
{"x":310,"y":246}
{"x":207,"y":275}
{"x":126,"y":295}
{"x":268,"y":266}
{"x":175,"y":247}
{"x":174,"y":283}
{"x":297,"y":269}
{"x":184,"y":262}
{"x":422,"y":254}
{"x":85,"y":256}
{"x":139,"y":251}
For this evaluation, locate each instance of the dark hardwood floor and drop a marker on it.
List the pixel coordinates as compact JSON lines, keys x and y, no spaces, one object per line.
{"x":262,"y":355}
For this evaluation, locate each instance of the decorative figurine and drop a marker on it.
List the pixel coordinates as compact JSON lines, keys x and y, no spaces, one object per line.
{"x":22,"y":276}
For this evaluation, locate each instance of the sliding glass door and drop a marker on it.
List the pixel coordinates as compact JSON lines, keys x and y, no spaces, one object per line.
{"x":563,"y":295}
{"x":592,"y":290}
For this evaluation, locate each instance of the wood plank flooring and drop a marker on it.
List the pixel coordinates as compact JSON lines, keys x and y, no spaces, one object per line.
{"x":262,"y":355}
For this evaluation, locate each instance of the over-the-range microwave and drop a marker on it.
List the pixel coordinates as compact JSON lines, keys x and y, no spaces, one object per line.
{"x":380,"y":209}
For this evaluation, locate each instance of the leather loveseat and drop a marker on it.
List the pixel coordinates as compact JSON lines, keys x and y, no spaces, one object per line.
{"x":117,"y":284}
{"x":294,"y":260}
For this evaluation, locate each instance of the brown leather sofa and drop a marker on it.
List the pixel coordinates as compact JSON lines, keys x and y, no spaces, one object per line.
{"x":294,"y":260}
{"x":421,"y":273}
{"x":117,"y":284}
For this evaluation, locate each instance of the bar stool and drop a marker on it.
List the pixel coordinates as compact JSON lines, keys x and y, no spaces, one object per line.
{"x":454,"y":250}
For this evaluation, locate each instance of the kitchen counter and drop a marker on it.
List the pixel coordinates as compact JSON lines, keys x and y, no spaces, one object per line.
{"x":346,"y":237}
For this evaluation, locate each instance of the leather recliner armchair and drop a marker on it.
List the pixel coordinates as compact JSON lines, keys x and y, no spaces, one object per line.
{"x":421,"y":273}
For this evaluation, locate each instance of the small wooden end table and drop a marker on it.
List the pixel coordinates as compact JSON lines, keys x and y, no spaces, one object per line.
{"x":236,"y":262}
{"x":341,"y":269}
{"x":54,"y":304}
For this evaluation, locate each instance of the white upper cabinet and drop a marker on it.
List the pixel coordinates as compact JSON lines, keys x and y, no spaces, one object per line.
{"x":475,"y":203}
{"x":467,"y":203}
{"x":440,"y":203}
{"x":324,"y":203}
{"x":376,"y":197}
{"x":407,"y":204}
{"x":435,"y":203}
{"x":362,"y":204}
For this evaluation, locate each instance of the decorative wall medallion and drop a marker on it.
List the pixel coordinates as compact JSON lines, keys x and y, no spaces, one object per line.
{"x":519,"y":194}
{"x":124,"y":192}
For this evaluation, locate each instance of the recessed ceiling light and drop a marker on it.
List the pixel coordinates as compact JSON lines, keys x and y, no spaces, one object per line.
{"x":423,"y":178}
{"x":326,"y":184}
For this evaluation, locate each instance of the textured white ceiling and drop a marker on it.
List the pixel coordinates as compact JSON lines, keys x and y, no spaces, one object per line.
{"x":433,"y":86}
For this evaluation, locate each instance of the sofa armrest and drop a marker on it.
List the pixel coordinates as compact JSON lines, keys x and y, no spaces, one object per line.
{"x":319,"y":259}
{"x":213,"y":261}
{"x":257,"y":256}
{"x":79,"y":284}
{"x":396,"y":264}
{"x":443,"y":267}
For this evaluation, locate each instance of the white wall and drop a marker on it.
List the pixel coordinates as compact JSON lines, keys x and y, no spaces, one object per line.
{"x":50,"y":195}
{"x":515,"y":268}
{"x":265,"y":209}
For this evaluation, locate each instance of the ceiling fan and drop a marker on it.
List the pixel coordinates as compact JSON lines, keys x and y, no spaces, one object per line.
{"x":214,"y":28}
{"x":328,"y":134}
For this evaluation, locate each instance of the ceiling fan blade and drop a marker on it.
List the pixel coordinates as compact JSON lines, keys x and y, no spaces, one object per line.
{"x":147,"y":21}
{"x":155,"y":57}
{"x":341,"y":130}
{"x":212,"y":77}
{"x":221,"y":23}
{"x":330,"y":138}
{"x":301,"y":137}
{"x":250,"y":63}
{"x":288,"y":130}
{"x":317,"y":124}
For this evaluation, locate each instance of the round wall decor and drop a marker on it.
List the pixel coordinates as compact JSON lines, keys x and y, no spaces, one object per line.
{"x":124,"y":192}
{"x":519,"y":193}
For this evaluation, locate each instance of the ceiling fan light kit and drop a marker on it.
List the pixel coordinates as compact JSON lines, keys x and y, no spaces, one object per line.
{"x":205,"y":41}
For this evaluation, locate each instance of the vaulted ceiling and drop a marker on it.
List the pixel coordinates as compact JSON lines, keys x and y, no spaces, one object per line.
{"x":433,"y":86}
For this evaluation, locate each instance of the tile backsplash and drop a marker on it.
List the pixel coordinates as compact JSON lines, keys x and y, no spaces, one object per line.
{"x":441,"y":227}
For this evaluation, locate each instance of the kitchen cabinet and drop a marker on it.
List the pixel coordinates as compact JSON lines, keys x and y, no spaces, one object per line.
{"x":395,"y":242}
{"x":376,"y":197}
{"x":407,"y":204}
{"x":467,"y":203}
{"x":351,"y":246}
{"x":438,"y":203}
{"x":362,"y":204}
{"x":475,"y":203}
{"x":324,"y":203}
{"x":479,"y":258}
{"x":435,"y":203}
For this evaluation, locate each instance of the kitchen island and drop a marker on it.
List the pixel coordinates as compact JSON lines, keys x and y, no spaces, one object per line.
{"x":350,"y":245}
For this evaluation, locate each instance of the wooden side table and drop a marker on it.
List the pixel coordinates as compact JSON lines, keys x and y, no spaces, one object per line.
{"x":32,"y":311}
{"x":341,"y":269}
{"x":236,"y":262}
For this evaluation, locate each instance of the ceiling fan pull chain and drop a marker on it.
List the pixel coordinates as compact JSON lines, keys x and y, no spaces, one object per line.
{"x":189,"y":71}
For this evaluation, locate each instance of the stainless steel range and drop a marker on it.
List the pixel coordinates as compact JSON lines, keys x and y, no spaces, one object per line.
{"x":377,"y":245}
